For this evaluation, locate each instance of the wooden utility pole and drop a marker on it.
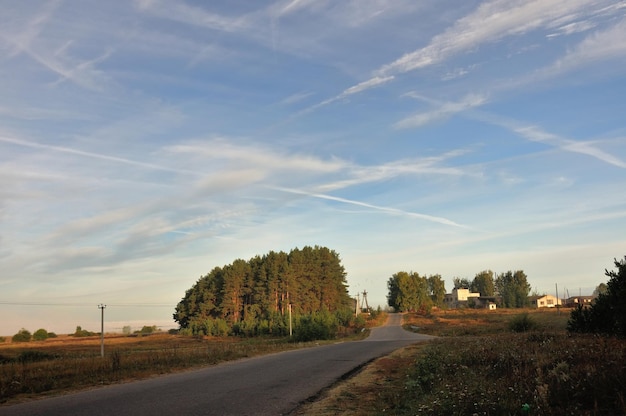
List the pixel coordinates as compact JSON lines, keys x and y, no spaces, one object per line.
{"x":101,"y":307}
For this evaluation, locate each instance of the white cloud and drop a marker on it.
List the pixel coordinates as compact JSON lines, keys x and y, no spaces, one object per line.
{"x":536,"y":134}
{"x":598,"y":47}
{"x":443,"y":111}
{"x":490,"y":22}
{"x":196,"y":16}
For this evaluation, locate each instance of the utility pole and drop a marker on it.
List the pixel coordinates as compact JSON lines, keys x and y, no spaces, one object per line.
{"x":290,"y":331}
{"x":556,"y":286}
{"x":101,"y":307}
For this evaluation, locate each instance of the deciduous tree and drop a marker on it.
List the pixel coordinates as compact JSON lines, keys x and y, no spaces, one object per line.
{"x":513,"y":288}
{"x":483,"y":283}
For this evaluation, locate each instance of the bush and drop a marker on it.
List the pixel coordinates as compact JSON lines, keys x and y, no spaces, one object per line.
{"x":607,"y":314}
{"x":80,"y":332}
{"x":319,"y":325}
{"x":522,"y":323}
{"x":22,"y":336}
{"x":40,"y":335}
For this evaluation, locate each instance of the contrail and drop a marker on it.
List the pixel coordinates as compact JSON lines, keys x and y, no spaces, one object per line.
{"x":116,"y":159}
{"x":389,"y":210}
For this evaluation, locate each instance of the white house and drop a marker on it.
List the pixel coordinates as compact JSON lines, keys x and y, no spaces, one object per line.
{"x":459,"y":297}
{"x":545,"y":301}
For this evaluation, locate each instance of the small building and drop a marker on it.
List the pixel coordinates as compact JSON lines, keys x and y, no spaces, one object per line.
{"x":544,"y":301}
{"x":579,"y":300}
{"x":486,"y":302}
{"x":460,"y":297}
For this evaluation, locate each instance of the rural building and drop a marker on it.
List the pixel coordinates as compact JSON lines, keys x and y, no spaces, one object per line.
{"x":544,"y":301}
{"x":579,"y":300}
{"x":460,"y":297}
{"x":486,"y":302}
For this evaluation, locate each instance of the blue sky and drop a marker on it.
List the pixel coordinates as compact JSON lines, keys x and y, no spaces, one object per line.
{"x":143,"y":143}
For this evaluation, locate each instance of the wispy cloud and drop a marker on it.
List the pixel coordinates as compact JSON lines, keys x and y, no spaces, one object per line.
{"x":82,"y":153}
{"x":386,"y":210}
{"x":598,"y":47}
{"x":536,"y":134}
{"x":196,"y":16}
{"x":31,"y":41}
{"x":365,"y":85}
{"x":427,"y":166}
{"x":490,"y":22}
{"x":254,"y":155}
{"x":443,"y":111}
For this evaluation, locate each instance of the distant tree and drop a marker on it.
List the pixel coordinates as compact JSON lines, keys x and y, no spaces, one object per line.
{"x":40,"y":335}
{"x":600,"y":289}
{"x":80,"y":332}
{"x":607,"y":314}
{"x":483,"y":283}
{"x":437,"y":289}
{"x":513,"y":288}
{"x":146,"y":330}
{"x":126,"y":330}
{"x":408,"y":292}
{"x":22,"y":336}
{"x":459,"y":283}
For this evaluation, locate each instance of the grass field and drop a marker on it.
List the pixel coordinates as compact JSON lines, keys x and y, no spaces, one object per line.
{"x":479,"y":366}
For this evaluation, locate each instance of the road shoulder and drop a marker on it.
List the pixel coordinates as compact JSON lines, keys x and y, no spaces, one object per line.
{"x":358,"y":394}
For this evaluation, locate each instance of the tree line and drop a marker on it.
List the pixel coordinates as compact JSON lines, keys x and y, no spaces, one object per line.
{"x":412,"y":292}
{"x":253,"y":297}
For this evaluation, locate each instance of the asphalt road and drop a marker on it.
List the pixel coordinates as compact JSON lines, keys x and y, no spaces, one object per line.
{"x":269,"y":385}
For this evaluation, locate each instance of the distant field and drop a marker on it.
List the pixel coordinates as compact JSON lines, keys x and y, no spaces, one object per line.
{"x":460,"y":322}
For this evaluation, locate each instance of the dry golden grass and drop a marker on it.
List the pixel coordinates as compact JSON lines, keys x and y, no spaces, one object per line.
{"x":479,"y":366}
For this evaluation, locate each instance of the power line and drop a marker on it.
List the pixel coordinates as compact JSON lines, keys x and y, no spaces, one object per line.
{"x":121,"y":305}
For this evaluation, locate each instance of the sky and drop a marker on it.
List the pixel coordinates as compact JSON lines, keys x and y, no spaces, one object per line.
{"x":143,"y":143}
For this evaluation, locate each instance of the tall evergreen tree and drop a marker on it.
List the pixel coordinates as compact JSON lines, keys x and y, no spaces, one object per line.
{"x":256,"y":294}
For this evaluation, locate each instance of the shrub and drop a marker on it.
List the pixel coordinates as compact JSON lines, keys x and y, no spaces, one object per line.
{"x":80,"y":332}
{"x":319,"y":325}
{"x":22,"y":336}
{"x":40,"y":335}
{"x":522,"y":323}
